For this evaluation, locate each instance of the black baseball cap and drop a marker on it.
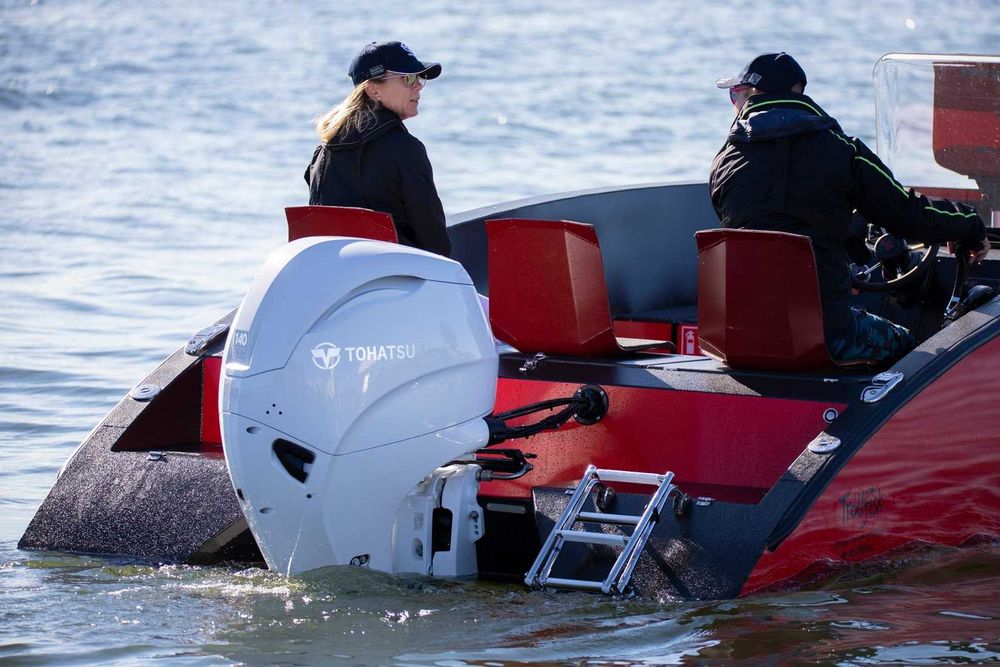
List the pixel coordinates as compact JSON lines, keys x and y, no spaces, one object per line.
{"x":771,"y":72}
{"x":377,"y":58}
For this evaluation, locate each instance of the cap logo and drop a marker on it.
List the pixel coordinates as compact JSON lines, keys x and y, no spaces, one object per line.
{"x":753,"y":79}
{"x":375,"y":71}
{"x":407,"y":49}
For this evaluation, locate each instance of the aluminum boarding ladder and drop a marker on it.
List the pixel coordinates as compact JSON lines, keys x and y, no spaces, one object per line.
{"x":632,"y":545}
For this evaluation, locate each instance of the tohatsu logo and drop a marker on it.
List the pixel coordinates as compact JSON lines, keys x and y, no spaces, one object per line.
{"x":326,"y":356}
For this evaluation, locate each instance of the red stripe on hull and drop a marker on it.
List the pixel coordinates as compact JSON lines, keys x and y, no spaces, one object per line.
{"x":929,"y":475}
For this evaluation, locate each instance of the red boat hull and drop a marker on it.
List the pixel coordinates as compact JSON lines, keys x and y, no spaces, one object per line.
{"x":928,"y":476}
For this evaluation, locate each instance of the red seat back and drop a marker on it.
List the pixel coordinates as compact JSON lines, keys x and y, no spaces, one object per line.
{"x":547,"y":289}
{"x":363,"y":223}
{"x":758,"y":300}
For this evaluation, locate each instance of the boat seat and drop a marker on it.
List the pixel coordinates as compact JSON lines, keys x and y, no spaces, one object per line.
{"x":362,"y":223}
{"x":759,"y":306}
{"x":547,"y":290}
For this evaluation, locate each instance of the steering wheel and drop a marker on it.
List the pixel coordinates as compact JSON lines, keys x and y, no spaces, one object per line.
{"x":904,"y":268}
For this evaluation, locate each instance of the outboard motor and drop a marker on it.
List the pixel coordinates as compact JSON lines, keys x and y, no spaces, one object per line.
{"x":354,"y":370}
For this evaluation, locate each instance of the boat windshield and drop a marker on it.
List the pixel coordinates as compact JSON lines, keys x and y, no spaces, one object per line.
{"x":938,"y":125}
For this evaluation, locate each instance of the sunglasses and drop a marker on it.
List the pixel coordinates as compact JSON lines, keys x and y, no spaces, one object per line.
{"x":409,"y":80}
{"x":735,"y":91}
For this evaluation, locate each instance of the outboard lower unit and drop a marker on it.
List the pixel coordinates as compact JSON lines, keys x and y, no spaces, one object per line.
{"x":353,"y":371}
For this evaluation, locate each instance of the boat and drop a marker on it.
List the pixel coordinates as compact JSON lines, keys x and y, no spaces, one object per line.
{"x":600,"y":391}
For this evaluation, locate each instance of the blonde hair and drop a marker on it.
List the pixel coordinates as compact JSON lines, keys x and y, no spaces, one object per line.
{"x":357,"y":111}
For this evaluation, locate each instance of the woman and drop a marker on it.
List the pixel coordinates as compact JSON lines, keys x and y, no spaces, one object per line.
{"x":367,"y":157}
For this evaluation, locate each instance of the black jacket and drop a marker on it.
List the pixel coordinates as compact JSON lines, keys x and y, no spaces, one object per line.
{"x":383,"y":168}
{"x":787,"y":166}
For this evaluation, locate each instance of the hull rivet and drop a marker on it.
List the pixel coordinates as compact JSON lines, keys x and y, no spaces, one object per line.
{"x":145,"y":392}
{"x":824,"y":444}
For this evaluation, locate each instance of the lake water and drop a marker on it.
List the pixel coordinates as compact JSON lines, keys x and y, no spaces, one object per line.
{"x":146,"y":153}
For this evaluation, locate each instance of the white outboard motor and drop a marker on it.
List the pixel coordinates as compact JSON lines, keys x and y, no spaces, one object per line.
{"x":354,"y":370}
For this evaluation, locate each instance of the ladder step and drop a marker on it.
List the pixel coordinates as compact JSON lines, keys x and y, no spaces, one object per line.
{"x":629,"y":477}
{"x":581,"y":584}
{"x":593,"y":538}
{"x":631,"y":545}
{"x":602,"y":517}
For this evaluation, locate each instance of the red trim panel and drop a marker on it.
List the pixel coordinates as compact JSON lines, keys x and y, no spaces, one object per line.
{"x":211,"y":433}
{"x":725,"y":446}
{"x":929,"y":475}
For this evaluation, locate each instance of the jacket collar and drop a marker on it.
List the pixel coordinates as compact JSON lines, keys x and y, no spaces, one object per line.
{"x":765,"y":101}
{"x":766,"y":117}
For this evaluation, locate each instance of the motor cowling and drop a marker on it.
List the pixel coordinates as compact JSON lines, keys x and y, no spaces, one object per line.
{"x":352,"y":371}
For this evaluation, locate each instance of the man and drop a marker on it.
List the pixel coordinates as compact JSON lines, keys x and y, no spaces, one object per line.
{"x":787,"y":166}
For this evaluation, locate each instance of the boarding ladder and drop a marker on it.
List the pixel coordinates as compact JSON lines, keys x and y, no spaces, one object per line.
{"x":632,"y":545}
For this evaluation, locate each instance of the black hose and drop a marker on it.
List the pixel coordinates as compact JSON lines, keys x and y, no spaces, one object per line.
{"x":588,"y":405}
{"x":538,"y":407}
{"x":500,"y":431}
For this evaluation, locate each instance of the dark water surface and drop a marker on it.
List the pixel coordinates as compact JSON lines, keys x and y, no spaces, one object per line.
{"x":146,"y":154}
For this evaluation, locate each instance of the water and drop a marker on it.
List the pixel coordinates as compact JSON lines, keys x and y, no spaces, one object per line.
{"x":146,"y":153}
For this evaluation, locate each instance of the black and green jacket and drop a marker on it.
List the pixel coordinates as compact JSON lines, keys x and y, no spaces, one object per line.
{"x":787,"y":166}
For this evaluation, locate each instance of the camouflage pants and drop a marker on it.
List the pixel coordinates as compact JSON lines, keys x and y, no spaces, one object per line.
{"x":872,"y":337}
